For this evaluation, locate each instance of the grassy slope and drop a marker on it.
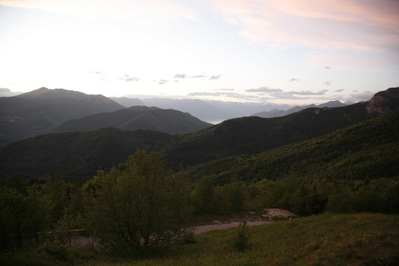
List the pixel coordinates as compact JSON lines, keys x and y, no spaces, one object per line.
{"x":359,"y":239}
{"x":367,"y":149}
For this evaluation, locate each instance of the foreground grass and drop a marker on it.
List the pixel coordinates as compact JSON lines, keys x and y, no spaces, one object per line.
{"x":358,"y":239}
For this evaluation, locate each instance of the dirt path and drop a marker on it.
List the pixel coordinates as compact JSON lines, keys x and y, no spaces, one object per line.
{"x":270,"y":216}
{"x":205,"y":228}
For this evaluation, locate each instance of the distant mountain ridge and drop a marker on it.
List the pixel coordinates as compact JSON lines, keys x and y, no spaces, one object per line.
{"x":33,"y":113}
{"x":210,"y":111}
{"x":278,"y":112}
{"x":44,"y":110}
{"x":137,"y":117}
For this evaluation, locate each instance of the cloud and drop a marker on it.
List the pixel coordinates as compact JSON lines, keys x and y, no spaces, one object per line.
{"x":362,"y":96}
{"x":264,"y":89}
{"x":327,"y":67}
{"x":341,"y":90}
{"x":215,"y":77}
{"x":225,"y":89}
{"x":333,"y":26}
{"x":262,"y":94}
{"x":128,"y":78}
{"x":143,"y":12}
{"x":225,"y":94}
{"x":280,"y":94}
{"x":5,"y":92}
{"x":293,"y":79}
{"x":100,"y":75}
{"x":305,"y":93}
{"x":198,"y":76}
{"x":180,"y":76}
{"x":328,"y":82}
{"x":161,"y":81}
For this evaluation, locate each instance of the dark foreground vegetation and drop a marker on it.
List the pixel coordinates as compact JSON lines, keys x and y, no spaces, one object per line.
{"x":341,"y":239}
{"x":141,"y":210}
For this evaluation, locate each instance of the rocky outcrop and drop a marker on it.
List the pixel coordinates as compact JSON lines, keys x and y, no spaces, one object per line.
{"x":383,"y":102}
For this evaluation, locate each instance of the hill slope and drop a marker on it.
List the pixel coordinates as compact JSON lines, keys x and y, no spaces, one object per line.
{"x":250,"y":135}
{"x":236,"y":137}
{"x":365,"y":150}
{"x":34,"y":113}
{"x":75,"y":155}
{"x":138,"y":117}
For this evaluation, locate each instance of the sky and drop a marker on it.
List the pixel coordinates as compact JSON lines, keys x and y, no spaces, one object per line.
{"x":262,"y":51}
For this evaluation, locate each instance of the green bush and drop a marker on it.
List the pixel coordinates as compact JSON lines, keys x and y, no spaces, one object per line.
{"x":241,"y":239}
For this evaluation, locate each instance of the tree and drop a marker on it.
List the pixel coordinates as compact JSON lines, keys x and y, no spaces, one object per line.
{"x":139,"y":205}
{"x":24,"y":212}
{"x":203,"y":196}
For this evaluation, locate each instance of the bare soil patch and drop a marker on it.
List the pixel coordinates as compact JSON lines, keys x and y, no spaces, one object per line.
{"x":253,"y":219}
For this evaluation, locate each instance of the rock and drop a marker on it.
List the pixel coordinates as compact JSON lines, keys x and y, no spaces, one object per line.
{"x":383,"y":102}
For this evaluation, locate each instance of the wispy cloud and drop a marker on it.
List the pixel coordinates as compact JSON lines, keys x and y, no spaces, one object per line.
{"x":362,"y":96}
{"x":264,"y":89}
{"x":322,"y":92}
{"x":148,"y":12}
{"x":293,"y":79}
{"x":327,"y":83}
{"x":198,"y":76}
{"x":4,"y":92}
{"x":215,"y":77}
{"x":337,"y":23}
{"x":232,"y":95}
{"x":336,"y":26}
{"x":180,"y":76}
{"x":129,"y":78}
{"x":225,"y":89}
{"x":327,"y":67}
{"x":341,"y":90}
{"x":161,"y":81}
{"x":281,"y":94}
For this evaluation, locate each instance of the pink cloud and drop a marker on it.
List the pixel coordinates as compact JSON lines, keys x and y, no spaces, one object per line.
{"x":364,"y":25}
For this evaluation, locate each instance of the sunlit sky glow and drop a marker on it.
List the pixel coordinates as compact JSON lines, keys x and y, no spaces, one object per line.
{"x":284,"y":51}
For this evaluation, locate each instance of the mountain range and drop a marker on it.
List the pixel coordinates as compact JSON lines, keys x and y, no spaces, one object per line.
{"x":210,"y":111}
{"x":279,"y":112}
{"x":36,"y":112}
{"x":44,"y":110}
{"x":78,"y":155}
{"x":136,"y":117}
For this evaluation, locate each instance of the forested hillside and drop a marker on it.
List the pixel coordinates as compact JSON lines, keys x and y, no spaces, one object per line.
{"x":250,"y":135}
{"x":367,"y":150}
{"x":76,"y":155}
{"x":138,"y":117}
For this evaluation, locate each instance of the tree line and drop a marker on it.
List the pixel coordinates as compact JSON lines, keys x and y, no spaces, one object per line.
{"x":142,"y":204}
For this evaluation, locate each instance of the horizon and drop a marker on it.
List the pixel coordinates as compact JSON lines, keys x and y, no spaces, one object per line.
{"x":243,"y":51}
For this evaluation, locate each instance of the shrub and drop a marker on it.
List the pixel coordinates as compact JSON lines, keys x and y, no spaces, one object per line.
{"x":241,"y":239}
